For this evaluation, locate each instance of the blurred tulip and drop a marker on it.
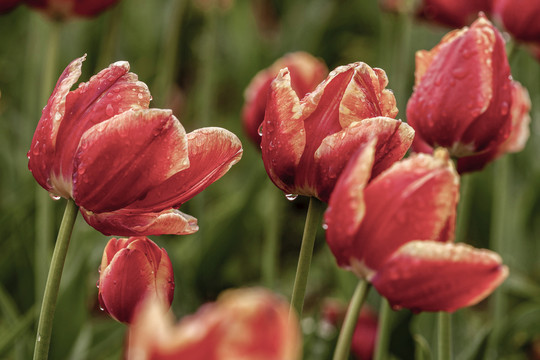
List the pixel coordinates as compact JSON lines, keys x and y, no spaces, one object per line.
{"x":453,"y":13}
{"x":462,"y":96}
{"x":244,"y":324}
{"x":306,"y":73}
{"x":519,"y":18}
{"x":128,"y":167}
{"x":8,"y":5}
{"x":64,"y":9}
{"x":396,"y":232}
{"x":365,"y":331}
{"x":306,"y":143}
{"x":131,"y":270}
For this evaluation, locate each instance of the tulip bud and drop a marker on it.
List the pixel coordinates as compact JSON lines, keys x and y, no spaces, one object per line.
{"x":132,"y":270}
{"x":519,"y":18}
{"x":462,"y":96}
{"x":63,"y":9}
{"x":453,"y":13}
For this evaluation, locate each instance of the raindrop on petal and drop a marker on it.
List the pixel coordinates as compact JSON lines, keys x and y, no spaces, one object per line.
{"x":54,"y":196}
{"x":291,"y":197}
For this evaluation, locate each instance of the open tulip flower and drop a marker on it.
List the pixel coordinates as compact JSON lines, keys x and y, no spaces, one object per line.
{"x":63,"y":9}
{"x":131,"y":270}
{"x":462,"y":96}
{"x":397,"y":233}
{"x":306,"y":73}
{"x":127,"y":166}
{"x":306,"y":143}
{"x":243,"y":324}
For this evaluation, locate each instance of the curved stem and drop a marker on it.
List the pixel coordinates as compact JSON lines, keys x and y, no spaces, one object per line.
{"x":43,"y":337}
{"x":444,"y":336}
{"x":343,"y":346}
{"x":383,"y":332}
{"x":313,"y":220}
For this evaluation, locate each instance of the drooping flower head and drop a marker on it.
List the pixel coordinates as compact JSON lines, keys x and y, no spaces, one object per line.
{"x":306,"y":143}
{"x":132,"y":270}
{"x":462,"y":96}
{"x":397,"y":233}
{"x":64,"y":9}
{"x":306,"y":73}
{"x":243,"y":324}
{"x":127,"y":166}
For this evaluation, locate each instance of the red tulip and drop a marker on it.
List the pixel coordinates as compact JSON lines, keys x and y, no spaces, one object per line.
{"x":462,"y":96}
{"x":306,"y":73}
{"x":396,"y":232}
{"x":131,"y":270}
{"x":306,"y":143}
{"x":519,"y":18}
{"x":243,"y":324}
{"x":453,"y":13}
{"x":63,"y":9}
{"x":128,"y":167}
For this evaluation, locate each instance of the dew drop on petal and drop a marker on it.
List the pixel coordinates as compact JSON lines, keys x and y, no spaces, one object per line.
{"x":140,"y":96}
{"x":101,"y":308}
{"x":291,"y":197}
{"x":260,"y":130}
{"x":325,"y":226}
{"x":54,"y":196}
{"x":109,"y":110}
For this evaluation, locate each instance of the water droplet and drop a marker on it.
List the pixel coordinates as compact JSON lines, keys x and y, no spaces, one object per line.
{"x":97,"y":284}
{"x":118,"y":97}
{"x":101,"y":308}
{"x":114,"y":282}
{"x":54,"y":196}
{"x":260,"y":130}
{"x":39,"y":337}
{"x":57,"y":116}
{"x":325,"y":226}
{"x":291,"y":197}
{"x":459,"y":72}
{"x":109,"y":110}
{"x":140,"y":96}
{"x":504,"y":108}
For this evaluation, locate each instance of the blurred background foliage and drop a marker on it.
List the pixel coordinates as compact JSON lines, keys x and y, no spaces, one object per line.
{"x":197,"y":60}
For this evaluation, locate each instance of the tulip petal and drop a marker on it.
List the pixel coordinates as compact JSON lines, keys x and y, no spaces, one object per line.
{"x":42,"y":149}
{"x":283,"y":140}
{"x":125,"y":283}
{"x":212,"y":152}
{"x":432,"y":276}
{"x":125,"y":223}
{"x":346,"y":207}
{"x":414,"y":199}
{"x":393,"y":140}
{"x":112,"y":91}
{"x":118,"y":161}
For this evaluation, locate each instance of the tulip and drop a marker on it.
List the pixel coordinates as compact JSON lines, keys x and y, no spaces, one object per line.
{"x":243,"y":324}
{"x":453,"y":13}
{"x":519,"y":18}
{"x":64,"y":9}
{"x":127,"y":166}
{"x":462,"y":96}
{"x":131,"y":270}
{"x":397,"y":233}
{"x":306,"y":73}
{"x":306,"y":143}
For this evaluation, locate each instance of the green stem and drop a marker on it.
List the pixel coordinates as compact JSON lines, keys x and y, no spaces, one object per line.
{"x":343,"y":346}
{"x":272,"y":229}
{"x":43,"y":337}
{"x":444,"y":336}
{"x":464,"y":208}
{"x":44,"y":206}
{"x":313,"y":220}
{"x":383,"y":332}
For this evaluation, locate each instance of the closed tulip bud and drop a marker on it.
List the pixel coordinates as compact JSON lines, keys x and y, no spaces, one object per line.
{"x":307,"y":142}
{"x":131,"y":271}
{"x":243,"y":324}
{"x":462,"y":96}
{"x":306,"y":73}
{"x":397,"y":233}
